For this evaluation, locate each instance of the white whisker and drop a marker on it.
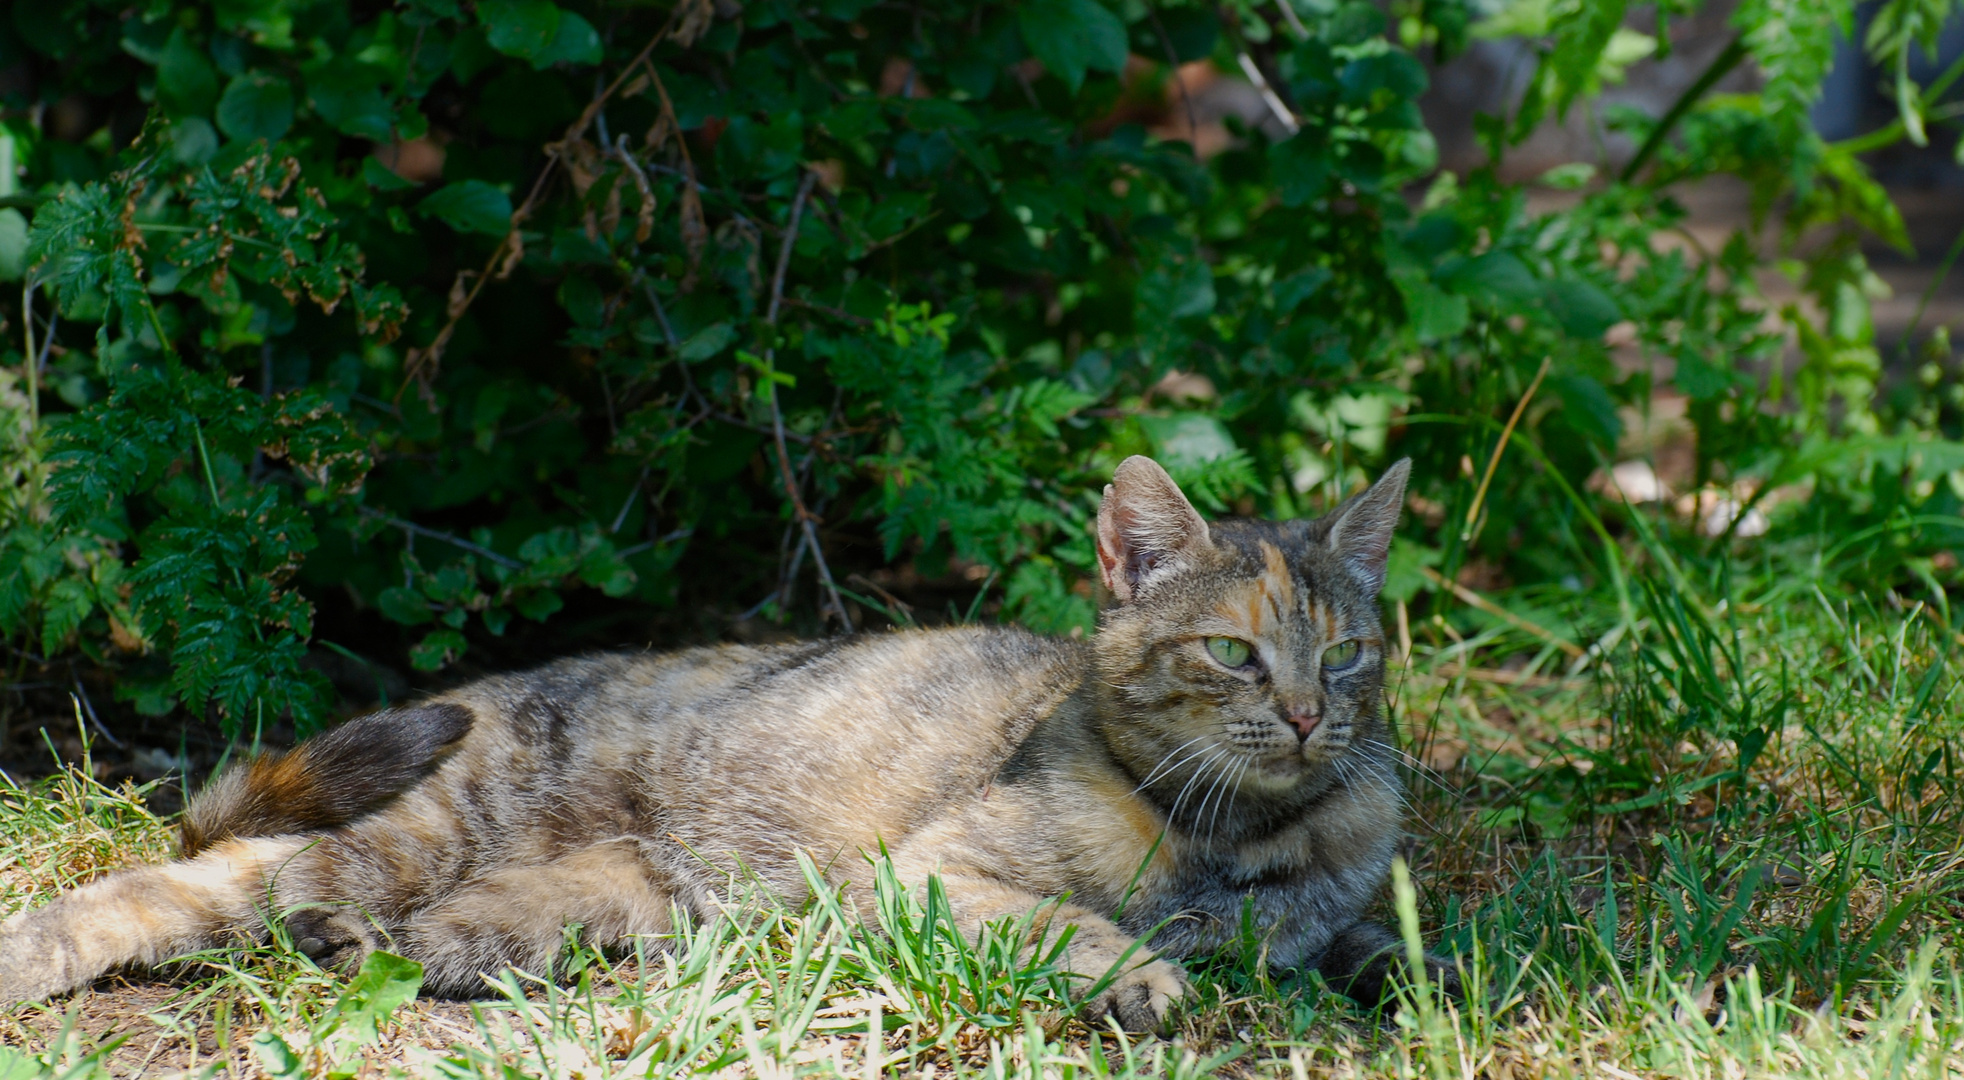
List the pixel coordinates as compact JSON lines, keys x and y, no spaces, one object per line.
{"x":1173,"y":815}
{"x":1214,"y":790}
{"x":1425,"y":772}
{"x":1238,"y":778}
{"x":1162,"y":766}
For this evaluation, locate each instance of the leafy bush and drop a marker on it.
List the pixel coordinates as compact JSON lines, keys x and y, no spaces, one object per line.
{"x":706,"y":294}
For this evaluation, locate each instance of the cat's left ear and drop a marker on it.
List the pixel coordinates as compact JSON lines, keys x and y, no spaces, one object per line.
{"x":1361,"y":535}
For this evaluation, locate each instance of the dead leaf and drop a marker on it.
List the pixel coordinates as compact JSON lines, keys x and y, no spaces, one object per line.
{"x":692,"y":21}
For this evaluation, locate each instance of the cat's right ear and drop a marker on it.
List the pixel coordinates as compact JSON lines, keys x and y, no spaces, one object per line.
{"x":1146,"y":527}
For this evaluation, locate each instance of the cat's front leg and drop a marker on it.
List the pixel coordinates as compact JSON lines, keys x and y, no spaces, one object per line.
{"x":1362,"y":958}
{"x":1141,"y":988}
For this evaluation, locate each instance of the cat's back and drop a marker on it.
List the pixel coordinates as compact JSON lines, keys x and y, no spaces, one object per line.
{"x":862,"y":726}
{"x":830,"y":745}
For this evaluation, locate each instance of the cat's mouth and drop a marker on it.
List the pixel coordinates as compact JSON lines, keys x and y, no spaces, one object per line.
{"x":1283,"y":765}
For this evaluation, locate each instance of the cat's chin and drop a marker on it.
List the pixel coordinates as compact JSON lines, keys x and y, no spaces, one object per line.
{"x":1280,"y":773}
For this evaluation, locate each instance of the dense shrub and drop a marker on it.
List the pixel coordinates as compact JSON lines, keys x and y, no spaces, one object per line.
{"x":710,"y":302}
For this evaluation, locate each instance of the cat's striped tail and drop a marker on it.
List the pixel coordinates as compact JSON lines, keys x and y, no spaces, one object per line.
{"x":329,"y":780}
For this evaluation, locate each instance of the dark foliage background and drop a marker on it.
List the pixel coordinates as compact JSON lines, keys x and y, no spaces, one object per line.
{"x":720,"y":317}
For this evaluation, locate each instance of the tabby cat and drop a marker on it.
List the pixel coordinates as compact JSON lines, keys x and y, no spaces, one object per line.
{"x":1220,"y":739}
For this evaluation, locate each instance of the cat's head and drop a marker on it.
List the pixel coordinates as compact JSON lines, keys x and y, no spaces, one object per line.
{"x":1250,"y":649}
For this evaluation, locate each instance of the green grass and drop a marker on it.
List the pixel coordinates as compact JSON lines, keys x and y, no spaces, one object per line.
{"x":1725,"y":844}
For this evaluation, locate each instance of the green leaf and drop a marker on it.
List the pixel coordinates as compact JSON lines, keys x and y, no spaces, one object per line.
{"x":404,"y":605}
{"x":187,"y":84}
{"x":1498,"y":279}
{"x":605,"y":571}
{"x":1569,"y":176}
{"x":437,"y":649}
{"x":52,"y":29}
{"x":1187,"y":439}
{"x":276,"y":1057}
{"x":13,"y":244}
{"x":63,"y":610}
{"x":1588,"y":406}
{"x":1700,"y":379}
{"x":527,"y":29}
{"x":1398,"y":73}
{"x":1434,"y":313}
{"x":540,"y":605}
{"x":470,"y":206}
{"x":349,"y":97}
{"x":381,"y":177}
{"x":576,"y":42}
{"x":1178,"y":288}
{"x":193,"y":140}
{"x":1291,"y":291}
{"x":270,"y":22}
{"x":1404,"y":572}
{"x":1072,"y":36}
{"x":707,"y":342}
{"x":256,"y":105}
{"x":385,"y":983}
{"x":1580,"y":308}
{"x":1302,"y":168}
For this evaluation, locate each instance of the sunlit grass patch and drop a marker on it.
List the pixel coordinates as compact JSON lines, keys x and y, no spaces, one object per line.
{"x":1725,"y":846}
{"x":60,"y":832}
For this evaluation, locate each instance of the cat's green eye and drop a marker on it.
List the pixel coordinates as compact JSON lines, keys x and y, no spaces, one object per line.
{"x":1231,"y":652}
{"x":1340,"y":656}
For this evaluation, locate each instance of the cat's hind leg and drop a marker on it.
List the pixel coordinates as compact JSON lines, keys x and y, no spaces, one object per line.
{"x":141,"y":916}
{"x":514,"y":917}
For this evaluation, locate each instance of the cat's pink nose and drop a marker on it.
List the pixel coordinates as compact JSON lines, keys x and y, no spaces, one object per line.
{"x":1305,"y":722}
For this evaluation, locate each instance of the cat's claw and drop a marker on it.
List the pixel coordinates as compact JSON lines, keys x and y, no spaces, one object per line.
{"x":1141,"y":998}
{"x":334,"y":937}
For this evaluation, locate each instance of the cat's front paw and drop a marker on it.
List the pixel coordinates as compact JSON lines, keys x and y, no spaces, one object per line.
{"x":1140,"y":998}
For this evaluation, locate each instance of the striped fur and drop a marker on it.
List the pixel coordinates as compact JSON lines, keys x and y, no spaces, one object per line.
{"x":609,"y":790}
{"x":326,"y":781}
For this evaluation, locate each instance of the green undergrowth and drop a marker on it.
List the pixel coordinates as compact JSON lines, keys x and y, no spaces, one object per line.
{"x":1720,"y":842}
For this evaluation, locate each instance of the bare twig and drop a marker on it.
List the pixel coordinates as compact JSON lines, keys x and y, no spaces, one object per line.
{"x":806,"y":519}
{"x":633,"y":493}
{"x":1296,"y":28}
{"x":414,"y":529}
{"x":422,"y":363}
{"x":88,"y":708}
{"x":48,"y":329}
{"x":599,"y":101}
{"x":645,"y":217}
{"x":825,"y":309}
{"x":661,"y":314}
{"x":1276,"y":106}
{"x":682,"y":533}
{"x":784,"y":249}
